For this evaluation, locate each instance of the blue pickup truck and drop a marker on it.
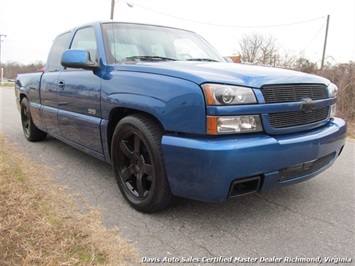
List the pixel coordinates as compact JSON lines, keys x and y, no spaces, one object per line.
{"x":174,"y":118}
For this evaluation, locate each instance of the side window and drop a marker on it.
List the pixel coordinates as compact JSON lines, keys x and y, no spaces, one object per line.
{"x":59,"y":45}
{"x":85,"y":39}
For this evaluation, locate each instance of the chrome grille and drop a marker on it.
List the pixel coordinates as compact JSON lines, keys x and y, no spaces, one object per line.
{"x":293,"y":92}
{"x":297,"y":118}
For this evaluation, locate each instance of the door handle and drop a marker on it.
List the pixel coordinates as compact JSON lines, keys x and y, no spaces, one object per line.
{"x":61,"y":85}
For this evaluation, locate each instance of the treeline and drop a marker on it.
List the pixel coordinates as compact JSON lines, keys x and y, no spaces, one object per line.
{"x":343,"y":75}
{"x":11,"y":69}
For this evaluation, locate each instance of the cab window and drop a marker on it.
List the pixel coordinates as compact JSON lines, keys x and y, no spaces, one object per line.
{"x":59,"y":45}
{"x":85,"y":39}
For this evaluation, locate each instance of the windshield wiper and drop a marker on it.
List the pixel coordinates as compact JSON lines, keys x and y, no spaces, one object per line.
{"x":150,"y":58}
{"x":202,"y":59}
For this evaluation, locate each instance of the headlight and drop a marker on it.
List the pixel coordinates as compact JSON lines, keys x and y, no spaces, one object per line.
{"x":216,"y":94}
{"x":332,"y":90}
{"x":233,"y":124}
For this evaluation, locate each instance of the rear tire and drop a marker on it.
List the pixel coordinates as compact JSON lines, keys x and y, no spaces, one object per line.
{"x":31,"y":132}
{"x":138,"y":163}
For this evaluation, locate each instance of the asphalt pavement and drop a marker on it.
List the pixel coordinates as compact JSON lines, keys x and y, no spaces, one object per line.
{"x":306,"y":223}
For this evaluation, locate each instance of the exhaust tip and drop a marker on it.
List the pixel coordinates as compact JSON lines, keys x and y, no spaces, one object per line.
{"x":245,"y":186}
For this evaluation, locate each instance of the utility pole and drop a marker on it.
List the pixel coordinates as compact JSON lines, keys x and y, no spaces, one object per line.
{"x":113,"y":2}
{"x":325,"y":43}
{"x":112,"y":9}
{"x":1,"y":68}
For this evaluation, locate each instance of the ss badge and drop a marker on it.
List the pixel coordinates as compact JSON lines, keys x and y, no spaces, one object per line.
{"x":92,"y":111}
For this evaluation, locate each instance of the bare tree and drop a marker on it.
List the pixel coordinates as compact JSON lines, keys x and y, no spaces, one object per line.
{"x":265,"y":50}
{"x":12,"y":68}
{"x":259,"y":49}
{"x":305,"y":65}
{"x":343,"y":75}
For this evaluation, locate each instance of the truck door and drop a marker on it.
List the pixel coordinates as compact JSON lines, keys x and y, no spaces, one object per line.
{"x":49,"y":84}
{"x":79,"y":97}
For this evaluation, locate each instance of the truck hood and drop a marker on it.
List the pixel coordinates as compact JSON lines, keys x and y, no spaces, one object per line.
{"x":228,"y":73}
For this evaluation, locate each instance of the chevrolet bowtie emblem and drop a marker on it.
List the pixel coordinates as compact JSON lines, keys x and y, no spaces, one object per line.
{"x":308,"y":105}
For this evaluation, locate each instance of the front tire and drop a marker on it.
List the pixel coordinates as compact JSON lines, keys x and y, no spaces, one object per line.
{"x":138,"y":163}
{"x":31,"y":132}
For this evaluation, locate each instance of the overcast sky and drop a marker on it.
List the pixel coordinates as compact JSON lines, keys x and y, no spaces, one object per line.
{"x":298,"y":25}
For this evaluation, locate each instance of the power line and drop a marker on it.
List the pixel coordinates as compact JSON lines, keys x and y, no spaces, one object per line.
{"x":315,"y":36}
{"x":225,"y":25}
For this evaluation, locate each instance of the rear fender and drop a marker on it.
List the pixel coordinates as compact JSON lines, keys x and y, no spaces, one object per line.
{"x":28,"y":85}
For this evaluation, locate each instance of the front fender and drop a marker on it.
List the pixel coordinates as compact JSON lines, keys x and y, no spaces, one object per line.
{"x":178,"y":104}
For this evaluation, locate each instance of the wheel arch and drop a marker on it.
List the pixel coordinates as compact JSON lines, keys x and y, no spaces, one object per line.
{"x":19,"y":98}
{"x":22,"y":96}
{"x":117,"y":114}
{"x":31,"y":131}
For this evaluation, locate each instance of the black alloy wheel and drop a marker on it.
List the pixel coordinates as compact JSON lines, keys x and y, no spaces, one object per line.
{"x":138,"y":163}
{"x":25,"y":118}
{"x":31,"y":132}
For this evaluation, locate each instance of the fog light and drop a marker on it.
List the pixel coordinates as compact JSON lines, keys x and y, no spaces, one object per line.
{"x":233,"y":124}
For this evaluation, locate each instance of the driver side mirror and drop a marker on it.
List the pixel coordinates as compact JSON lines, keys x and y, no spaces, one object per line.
{"x":78,"y":59}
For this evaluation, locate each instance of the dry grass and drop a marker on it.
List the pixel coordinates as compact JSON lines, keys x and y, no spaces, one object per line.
{"x":40,"y":225}
{"x":343,"y":75}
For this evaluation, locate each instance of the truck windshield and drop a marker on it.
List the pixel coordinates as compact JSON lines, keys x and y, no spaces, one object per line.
{"x":135,"y":42}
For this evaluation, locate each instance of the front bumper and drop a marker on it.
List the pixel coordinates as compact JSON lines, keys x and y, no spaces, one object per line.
{"x":205,"y":168}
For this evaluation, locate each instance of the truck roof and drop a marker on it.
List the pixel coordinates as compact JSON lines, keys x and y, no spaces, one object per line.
{"x":100,"y":22}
